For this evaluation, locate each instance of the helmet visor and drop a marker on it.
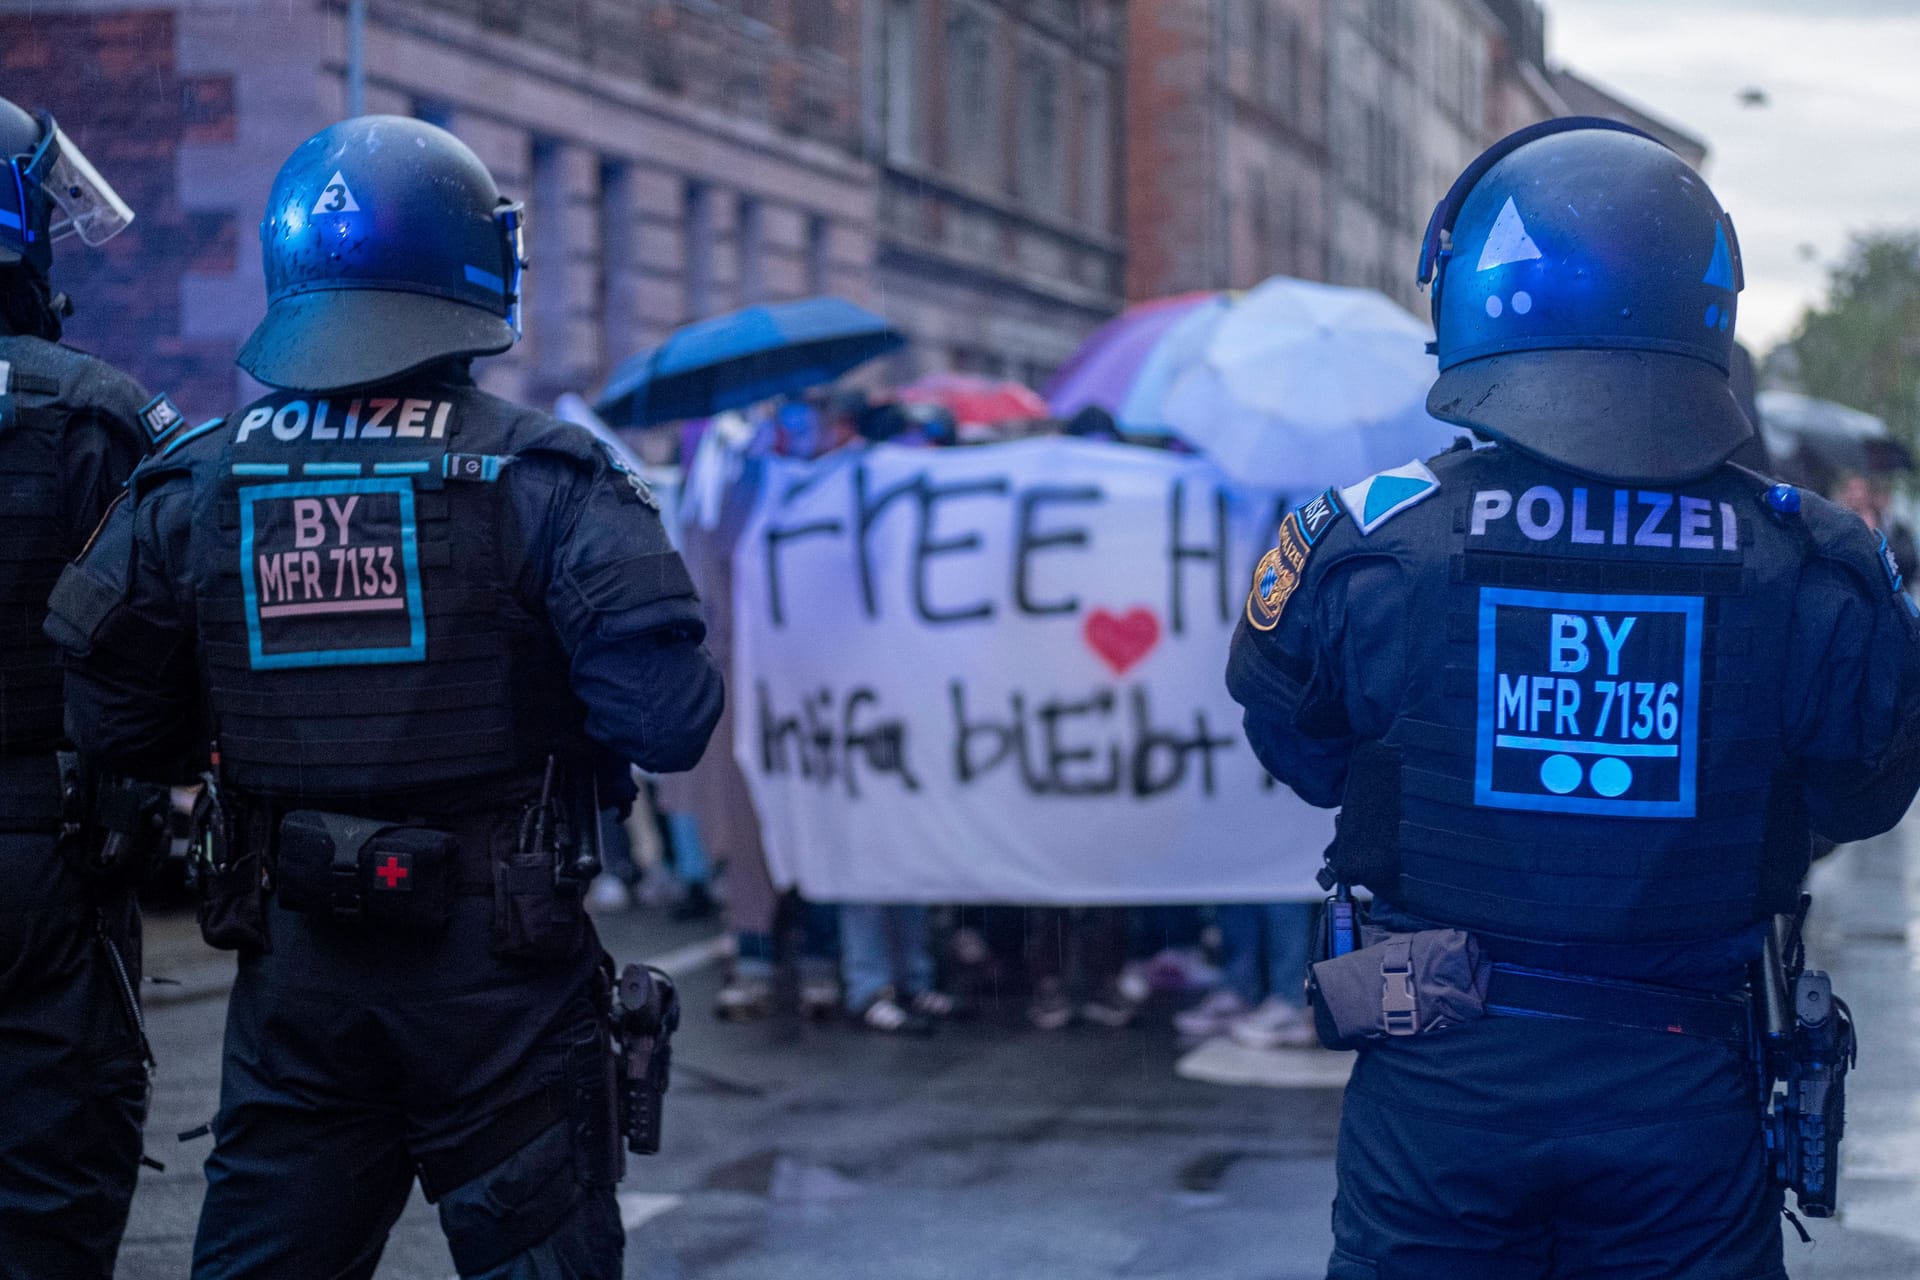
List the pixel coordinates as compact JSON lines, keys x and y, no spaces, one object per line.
{"x":85,"y":204}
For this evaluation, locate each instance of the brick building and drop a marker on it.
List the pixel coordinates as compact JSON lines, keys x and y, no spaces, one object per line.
{"x":997,"y":176}
{"x":998,"y":135}
{"x":678,"y":157}
{"x":1227,"y":165}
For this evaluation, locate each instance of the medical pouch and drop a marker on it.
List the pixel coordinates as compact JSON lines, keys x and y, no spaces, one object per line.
{"x":366,"y":872}
{"x":1402,"y":985}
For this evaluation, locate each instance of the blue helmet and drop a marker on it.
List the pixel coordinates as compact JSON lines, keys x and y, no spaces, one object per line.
{"x":387,"y":247}
{"x":1584,"y":286}
{"x":49,"y":191}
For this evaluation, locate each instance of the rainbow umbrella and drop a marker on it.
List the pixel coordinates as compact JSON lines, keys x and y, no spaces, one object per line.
{"x":1104,"y":371}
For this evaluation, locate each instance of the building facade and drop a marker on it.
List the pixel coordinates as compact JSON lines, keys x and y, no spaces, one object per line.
{"x":677,"y":158}
{"x":1227,"y":146}
{"x":997,"y":129}
{"x":996,"y":176}
{"x":1412,"y":108}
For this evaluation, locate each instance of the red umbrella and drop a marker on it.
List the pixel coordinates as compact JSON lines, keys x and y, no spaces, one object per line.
{"x":970,"y":398}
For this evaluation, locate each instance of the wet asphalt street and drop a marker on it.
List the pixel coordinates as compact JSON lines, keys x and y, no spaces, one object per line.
{"x":800,"y":1152}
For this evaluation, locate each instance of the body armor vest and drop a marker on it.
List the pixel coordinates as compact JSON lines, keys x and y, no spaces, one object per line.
{"x":358,"y":636}
{"x":33,"y":550}
{"x":1590,"y":746}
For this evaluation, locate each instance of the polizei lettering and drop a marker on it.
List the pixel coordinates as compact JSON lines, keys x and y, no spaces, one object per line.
{"x":1607,"y":518}
{"x":371,"y":418}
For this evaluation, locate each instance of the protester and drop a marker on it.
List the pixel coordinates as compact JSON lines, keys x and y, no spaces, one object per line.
{"x":1868,"y":497}
{"x":1264,"y":955}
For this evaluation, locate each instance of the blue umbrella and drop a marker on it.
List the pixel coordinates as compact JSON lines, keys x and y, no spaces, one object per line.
{"x":733,"y":360}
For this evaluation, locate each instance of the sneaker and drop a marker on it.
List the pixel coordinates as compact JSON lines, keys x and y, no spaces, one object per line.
{"x":1109,"y":1009}
{"x":1050,"y":1010}
{"x":819,"y":992}
{"x":1182,"y":970}
{"x":934,"y":1004}
{"x":744,"y":997}
{"x":1274,"y":1025}
{"x":609,"y":893}
{"x":884,"y":1013}
{"x":1212,"y":1016}
{"x":695,"y":904}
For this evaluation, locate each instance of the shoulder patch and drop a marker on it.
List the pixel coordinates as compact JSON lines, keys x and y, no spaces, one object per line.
{"x":1380,"y":498}
{"x":635,"y":481}
{"x":1318,"y":514}
{"x":1277,"y":576}
{"x":159,"y":416}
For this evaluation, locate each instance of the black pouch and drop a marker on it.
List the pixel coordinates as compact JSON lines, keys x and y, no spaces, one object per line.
{"x":365,"y":872}
{"x":229,"y":867}
{"x":1404,"y":984}
{"x":531,"y":919}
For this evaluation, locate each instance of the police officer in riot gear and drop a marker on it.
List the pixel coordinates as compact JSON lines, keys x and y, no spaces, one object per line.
{"x":1582,"y":695}
{"x":420,"y":627}
{"x":73,"y":1082}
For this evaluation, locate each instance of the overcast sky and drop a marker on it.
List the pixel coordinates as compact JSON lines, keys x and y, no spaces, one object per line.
{"x":1837,"y":151}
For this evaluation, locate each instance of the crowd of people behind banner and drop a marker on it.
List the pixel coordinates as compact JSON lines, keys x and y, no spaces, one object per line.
{"x":693,"y":846}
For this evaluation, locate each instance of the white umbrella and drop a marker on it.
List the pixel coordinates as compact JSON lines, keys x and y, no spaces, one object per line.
{"x":1304,"y":385}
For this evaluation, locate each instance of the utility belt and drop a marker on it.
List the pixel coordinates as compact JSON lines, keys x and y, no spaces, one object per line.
{"x":1383,"y":985}
{"x":112,"y":832}
{"x":1373,"y":985}
{"x":379,"y":874}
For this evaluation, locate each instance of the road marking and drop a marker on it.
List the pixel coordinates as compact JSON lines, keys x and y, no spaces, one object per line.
{"x":638,"y":1208}
{"x":693,"y":957}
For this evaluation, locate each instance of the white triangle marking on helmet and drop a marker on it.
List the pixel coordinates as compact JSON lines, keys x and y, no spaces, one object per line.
{"x":1508,"y":241}
{"x":336,"y":197}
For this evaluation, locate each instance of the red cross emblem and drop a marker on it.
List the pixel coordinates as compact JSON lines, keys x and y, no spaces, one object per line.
{"x":393,"y":871}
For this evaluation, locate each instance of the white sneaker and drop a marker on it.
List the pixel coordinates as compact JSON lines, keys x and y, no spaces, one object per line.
{"x":1212,"y":1016}
{"x":609,"y":893}
{"x":1274,"y":1025}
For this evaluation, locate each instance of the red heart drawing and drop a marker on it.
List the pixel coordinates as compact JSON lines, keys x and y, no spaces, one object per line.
{"x":1122,"y":640}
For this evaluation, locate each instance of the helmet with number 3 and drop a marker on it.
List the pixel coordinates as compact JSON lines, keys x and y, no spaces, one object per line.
{"x":387,"y":247}
{"x":1584,"y":285}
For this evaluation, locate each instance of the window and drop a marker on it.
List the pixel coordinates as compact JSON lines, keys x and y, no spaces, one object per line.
{"x":546,"y":306}
{"x":815,"y":24}
{"x":971,"y":118}
{"x":819,"y":247}
{"x":1096,"y":151}
{"x":697,"y":249}
{"x":615,"y":301}
{"x":1038,"y":178}
{"x":752,"y":264}
{"x":901,"y":103}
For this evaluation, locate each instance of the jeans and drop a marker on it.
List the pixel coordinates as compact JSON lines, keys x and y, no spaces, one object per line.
{"x":883,"y":945}
{"x":1264,"y":948}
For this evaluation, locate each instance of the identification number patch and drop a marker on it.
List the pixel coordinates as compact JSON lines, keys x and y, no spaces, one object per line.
{"x":1588,"y":703}
{"x":330,"y":571}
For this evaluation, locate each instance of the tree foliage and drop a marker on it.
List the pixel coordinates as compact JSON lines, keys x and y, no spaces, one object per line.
{"x":1861,"y":346}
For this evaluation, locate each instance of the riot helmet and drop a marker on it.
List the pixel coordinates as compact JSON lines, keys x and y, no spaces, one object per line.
{"x":1584,"y":281}
{"x":387,"y":247}
{"x":49,"y":191}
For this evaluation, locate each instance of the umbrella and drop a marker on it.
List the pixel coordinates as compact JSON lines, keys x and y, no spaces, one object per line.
{"x":975,"y":399}
{"x":1103,"y":369}
{"x":1833,"y":435}
{"x":1142,"y":412}
{"x":1303,"y":385}
{"x":733,"y":360}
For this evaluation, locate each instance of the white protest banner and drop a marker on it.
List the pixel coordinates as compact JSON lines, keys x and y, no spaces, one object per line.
{"x":997,"y":675}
